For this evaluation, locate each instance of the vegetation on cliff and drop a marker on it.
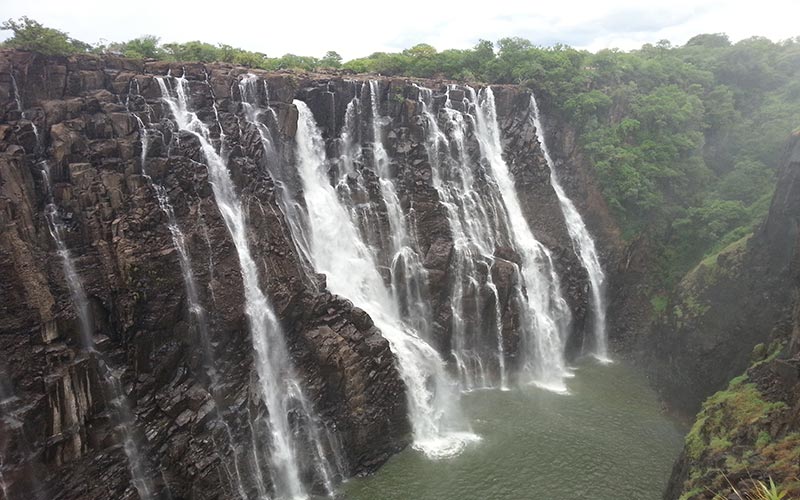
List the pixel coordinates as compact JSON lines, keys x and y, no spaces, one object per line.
{"x":692,"y":296}
{"x":28,"y":34}
{"x":744,"y":438}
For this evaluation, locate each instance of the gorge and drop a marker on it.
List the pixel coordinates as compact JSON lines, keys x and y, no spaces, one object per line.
{"x":224,"y":282}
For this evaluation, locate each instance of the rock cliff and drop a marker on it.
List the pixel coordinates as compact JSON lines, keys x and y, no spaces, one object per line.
{"x":74,"y":120}
{"x":729,"y":303}
{"x":742,"y":310}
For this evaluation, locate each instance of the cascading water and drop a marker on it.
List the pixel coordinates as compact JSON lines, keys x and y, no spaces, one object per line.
{"x":21,"y":109}
{"x":475,"y":236}
{"x":352,"y":186}
{"x":17,"y":96}
{"x":196,"y":310}
{"x":113,"y":385}
{"x":583,"y":243}
{"x":338,"y":250}
{"x":278,"y":384}
{"x":255,"y":116}
{"x":409,"y":276}
{"x":546,"y":314}
{"x":348,"y":137}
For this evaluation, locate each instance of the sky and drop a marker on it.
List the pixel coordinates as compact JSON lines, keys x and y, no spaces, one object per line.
{"x":358,"y":28}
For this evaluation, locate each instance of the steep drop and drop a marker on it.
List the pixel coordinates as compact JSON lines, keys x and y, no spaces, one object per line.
{"x":547,"y":314}
{"x":583,"y":243}
{"x":279,"y":387}
{"x":338,"y":251}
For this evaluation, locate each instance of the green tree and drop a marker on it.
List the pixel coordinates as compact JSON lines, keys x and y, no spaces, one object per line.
{"x":195,"y":51}
{"x":362,"y":65}
{"x":477,"y":61}
{"x":31,"y":35}
{"x":144,"y":47}
{"x":291,"y":61}
{"x":332,"y":59}
{"x":423,"y":60}
{"x":709,"y":40}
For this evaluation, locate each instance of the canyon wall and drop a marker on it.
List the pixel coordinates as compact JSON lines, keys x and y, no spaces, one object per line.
{"x":729,"y":303}
{"x":73,"y":118}
{"x":740,"y":316}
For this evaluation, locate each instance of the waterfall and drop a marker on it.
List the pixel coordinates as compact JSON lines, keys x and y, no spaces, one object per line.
{"x":475,"y":235}
{"x":482,"y":217}
{"x":113,"y":385}
{"x":255,"y":116}
{"x":348,"y":136}
{"x":583,"y":243}
{"x":409,"y":276}
{"x":21,"y":109}
{"x":196,"y":310}
{"x":17,"y":96}
{"x":338,"y":250}
{"x":546,"y":315}
{"x":352,"y":187}
{"x":277,"y":378}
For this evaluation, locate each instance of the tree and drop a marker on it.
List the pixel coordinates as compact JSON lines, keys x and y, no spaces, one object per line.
{"x":291,"y":61}
{"x":144,"y":47}
{"x":332,"y":59}
{"x":480,"y":58}
{"x":193,"y":51}
{"x":420,"y":50}
{"x":422,"y":59}
{"x":710,"y":40}
{"x":31,"y":35}
{"x":514,"y":62}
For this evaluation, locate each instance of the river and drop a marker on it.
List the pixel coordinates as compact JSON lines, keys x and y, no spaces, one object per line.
{"x":607,"y":440}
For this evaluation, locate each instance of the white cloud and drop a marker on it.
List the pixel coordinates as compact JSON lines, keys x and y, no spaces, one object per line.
{"x":359,"y":28}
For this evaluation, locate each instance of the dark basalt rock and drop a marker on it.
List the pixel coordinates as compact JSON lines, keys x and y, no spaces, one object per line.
{"x":56,"y":428}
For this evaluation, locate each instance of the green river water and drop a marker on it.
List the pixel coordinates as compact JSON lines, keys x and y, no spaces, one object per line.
{"x":607,"y":440}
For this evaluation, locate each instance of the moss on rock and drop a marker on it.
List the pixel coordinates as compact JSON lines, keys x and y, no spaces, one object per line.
{"x":741,"y":435}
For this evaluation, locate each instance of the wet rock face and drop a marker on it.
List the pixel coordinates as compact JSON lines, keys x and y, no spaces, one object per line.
{"x":539,"y":203}
{"x":726,"y":306}
{"x":77,"y":124}
{"x":748,"y":431}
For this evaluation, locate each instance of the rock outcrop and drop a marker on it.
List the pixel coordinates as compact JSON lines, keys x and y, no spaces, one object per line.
{"x":729,"y":303}
{"x":743,"y":309}
{"x":76,"y":121}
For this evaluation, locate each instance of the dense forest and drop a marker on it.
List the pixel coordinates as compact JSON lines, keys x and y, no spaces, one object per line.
{"x":685,"y":139}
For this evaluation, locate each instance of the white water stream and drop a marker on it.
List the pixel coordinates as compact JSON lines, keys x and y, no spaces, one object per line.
{"x":113,"y":386}
{"x":583,"y":243}
{"x":277,"y":378}
{"x":546,"y":313}
{"x":338,"y":250}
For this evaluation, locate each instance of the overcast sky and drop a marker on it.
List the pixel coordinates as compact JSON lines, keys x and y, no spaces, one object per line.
{"x":356,"y":29}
